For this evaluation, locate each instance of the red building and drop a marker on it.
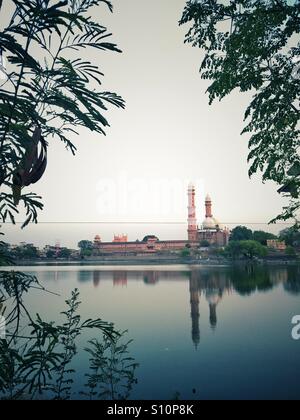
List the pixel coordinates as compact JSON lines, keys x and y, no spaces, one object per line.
{"x":211,"y":232}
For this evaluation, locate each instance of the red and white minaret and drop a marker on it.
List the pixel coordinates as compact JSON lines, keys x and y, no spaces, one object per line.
{"x":192,"y":221}
{"x":208,"y":206}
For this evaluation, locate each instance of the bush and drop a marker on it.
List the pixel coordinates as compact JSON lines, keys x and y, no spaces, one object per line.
{"x":204,"y":244}
{"x":185,"y":252}
{"x":249,"y":249}
{"x":290,"y":251}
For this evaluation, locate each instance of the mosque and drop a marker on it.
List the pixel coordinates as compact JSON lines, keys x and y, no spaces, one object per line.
{"x":210,"y":233}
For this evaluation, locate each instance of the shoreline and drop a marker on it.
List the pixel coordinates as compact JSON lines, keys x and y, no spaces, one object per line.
{"x":153,"y":262}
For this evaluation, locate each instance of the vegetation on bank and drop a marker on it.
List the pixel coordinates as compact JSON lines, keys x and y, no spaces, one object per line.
{"x":243,"y":244}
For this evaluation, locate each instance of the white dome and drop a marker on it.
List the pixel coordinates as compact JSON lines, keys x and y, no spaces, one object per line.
{"x":212,"y":296}
{"x":211,"y":223}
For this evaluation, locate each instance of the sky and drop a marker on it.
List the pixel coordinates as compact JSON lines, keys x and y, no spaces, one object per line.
{"x":135,"y":179}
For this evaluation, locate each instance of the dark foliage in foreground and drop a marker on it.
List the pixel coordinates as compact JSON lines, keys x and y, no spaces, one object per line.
{"x":46,"y":90}
{"x":253,"y":46}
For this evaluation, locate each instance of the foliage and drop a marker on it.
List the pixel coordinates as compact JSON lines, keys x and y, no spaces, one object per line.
{"x":150,"y":237}
{"x":5,"y":257}
{"x":50,"y":253}
{"x":26,"y":251}
{"x":252,"y":249}
{"x":291,"y":236}
{"x":185,"y":252}
{"x":112,"y":370}
{"x":233,"y":249}
{"x":204,"y":244}
{"x":64,"y":253}
{"x":263,"y":237}
{"x":250,"y":278}
{"x":85,"y":245}
{"x":39,"y":365}
{"x":240,"y":233}
{"x":86,"y":248}
{"x":48,"y":92}
{"x":290,"y":251}
{"x":248,"y":249}
{"x":253,"y":46}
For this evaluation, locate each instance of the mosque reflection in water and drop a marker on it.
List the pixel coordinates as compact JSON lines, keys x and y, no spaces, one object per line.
{"x":207,"y":285}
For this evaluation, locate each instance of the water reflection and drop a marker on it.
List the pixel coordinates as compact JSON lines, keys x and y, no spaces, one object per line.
{"x":210,"y":285}
{"x":243,"y":344}
{"x":206,"y":285}
{"x":120,"y":278}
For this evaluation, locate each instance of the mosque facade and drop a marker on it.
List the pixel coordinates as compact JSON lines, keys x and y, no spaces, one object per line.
{"x":210,"y":233}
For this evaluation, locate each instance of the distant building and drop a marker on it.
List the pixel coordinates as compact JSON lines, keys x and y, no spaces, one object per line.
{"x":276,"y":244}
{"x":210,"y":231}
{"x":120,"y":238}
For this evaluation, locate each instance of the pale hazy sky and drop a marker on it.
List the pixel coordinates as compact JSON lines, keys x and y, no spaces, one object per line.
{"x":166,"y":136}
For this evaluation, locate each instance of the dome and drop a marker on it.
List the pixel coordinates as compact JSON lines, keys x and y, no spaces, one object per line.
{"x":211,"y":223}
{"x":208,"y":198}
{"x":213,"y":296}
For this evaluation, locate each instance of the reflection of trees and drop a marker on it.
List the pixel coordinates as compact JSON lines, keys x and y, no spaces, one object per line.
{"x":151,"y":277}
{"x":84,"y":276}
{"x":250,"y":278}
{"x":96,"y":278}
{"x":213,"y":284}
{"x":292,"y":285}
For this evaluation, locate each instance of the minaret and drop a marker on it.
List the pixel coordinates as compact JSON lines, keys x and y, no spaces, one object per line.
{"x":213,"y":297}
{"x":208,"y":205}
{"x":195,"y":314}
{"x":192,"y":221}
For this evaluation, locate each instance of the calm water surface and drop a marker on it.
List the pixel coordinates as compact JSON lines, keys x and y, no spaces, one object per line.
{"x":202,"y":332}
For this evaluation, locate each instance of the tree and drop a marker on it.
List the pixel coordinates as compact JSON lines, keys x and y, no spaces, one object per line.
{"x":247,"y":248}
{"x":48,"y":92}
{"x":233,"y":249}
{"x":251,"y":249}
{"x":240,"y":233}
{"x":5,"y":256}
{"x":64,"y":253}
{"x":85,"y":245}
{"x":86,"y":248}
{"x":150,"y":237}
{"x":290,"y":251}
{"x":253,"y":45}
{"x":50,"y":253}
{"x":185,"y":252}
{"x":263,"y":237}
{"x":204,"y":244}
{"x":291,"y":236}
{"x":26,"y":251}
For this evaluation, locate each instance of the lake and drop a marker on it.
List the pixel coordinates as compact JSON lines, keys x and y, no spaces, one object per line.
{"x":198,"y":332}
